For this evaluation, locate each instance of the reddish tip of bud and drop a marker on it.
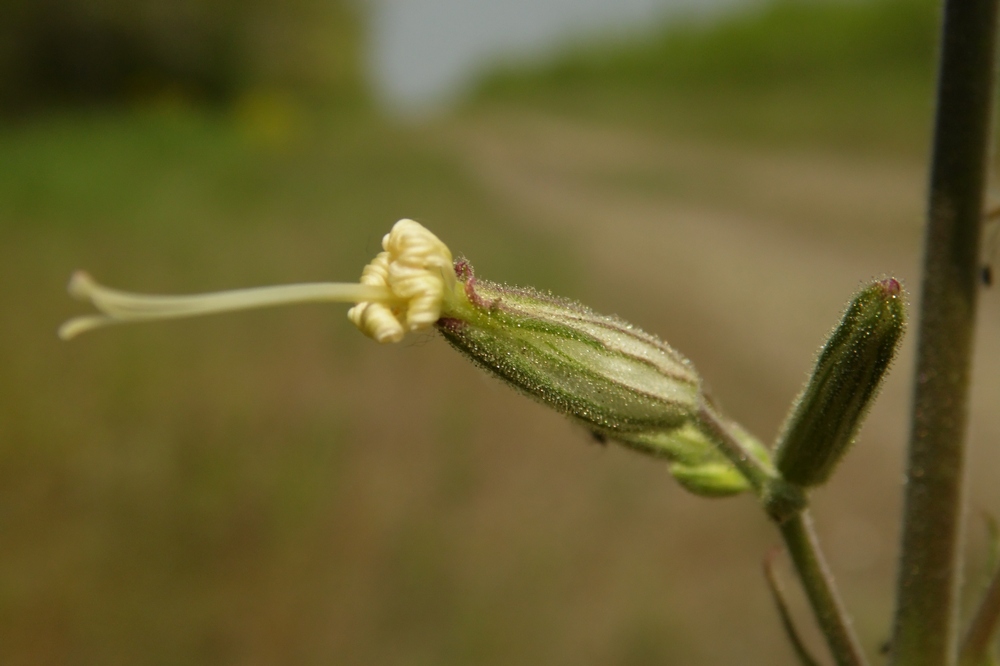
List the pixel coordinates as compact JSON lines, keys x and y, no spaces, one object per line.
{"x":891,"y":287}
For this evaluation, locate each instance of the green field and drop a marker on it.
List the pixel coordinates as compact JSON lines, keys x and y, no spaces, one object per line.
{"x":850,"y":76}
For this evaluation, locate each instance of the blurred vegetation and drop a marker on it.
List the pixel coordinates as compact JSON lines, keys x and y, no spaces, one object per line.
{"x":202,"y":493}
{"x":59,"y":52}
{"x":853,"y":75}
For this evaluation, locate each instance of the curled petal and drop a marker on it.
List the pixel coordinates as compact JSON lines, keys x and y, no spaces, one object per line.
{"x":417,"y":269}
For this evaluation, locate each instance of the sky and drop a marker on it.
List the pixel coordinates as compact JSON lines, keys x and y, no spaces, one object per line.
{"x":422,"y":52}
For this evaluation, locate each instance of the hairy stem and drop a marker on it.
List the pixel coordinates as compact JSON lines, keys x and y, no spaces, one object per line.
{"x":926,"y":611}
{"x":760,"y":475}
{"x":785,"y":504}
{"x":803,"y":546}
{"x":785,"y":613}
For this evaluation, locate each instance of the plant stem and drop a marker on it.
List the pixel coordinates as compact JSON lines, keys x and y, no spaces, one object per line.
{"x":983,"y":627}
{"x":785,"y":503}
{"x":778,"y":594}
{"x":803,"y":546}
{"x":926,"y":611}
{"x":760,"y":475}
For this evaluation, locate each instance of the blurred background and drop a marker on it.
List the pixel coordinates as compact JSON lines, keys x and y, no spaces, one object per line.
{"x":274,"y":488}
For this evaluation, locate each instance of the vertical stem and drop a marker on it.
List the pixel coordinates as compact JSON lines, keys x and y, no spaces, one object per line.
{"x":803,"y":546}
{"x":785,"y":504}
{"x":924,"y":632}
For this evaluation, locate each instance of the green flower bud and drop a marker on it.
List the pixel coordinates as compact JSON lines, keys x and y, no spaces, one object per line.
{"x":618,"y":381}
{"x":848,"y":373}
{"x":605,"y":373}
{"x":696,"y":461}
{"x":719,"y":479}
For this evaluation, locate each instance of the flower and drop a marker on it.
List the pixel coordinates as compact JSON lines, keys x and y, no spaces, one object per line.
{"x":403,"y":289}
{"x":618,"y":381}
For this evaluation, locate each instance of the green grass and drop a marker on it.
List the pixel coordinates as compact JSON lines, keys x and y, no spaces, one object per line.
{"x":855,"y":76}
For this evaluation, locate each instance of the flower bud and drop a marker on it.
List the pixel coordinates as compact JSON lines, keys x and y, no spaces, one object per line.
{"x":717,"y":479}
{"x":696,"y":461}
{"x":618,"y":381}
{"x":601,"y":371}
{"x":848,"y":373}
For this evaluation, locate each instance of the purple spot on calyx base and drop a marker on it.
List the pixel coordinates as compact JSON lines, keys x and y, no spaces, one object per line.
{"x":465,"y":275}
{"x":891,"y":287}
{"x":470,"y":293}
{"x":475,"y":298}
{"x":450,"y":324}
{"x":463,"y":269}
